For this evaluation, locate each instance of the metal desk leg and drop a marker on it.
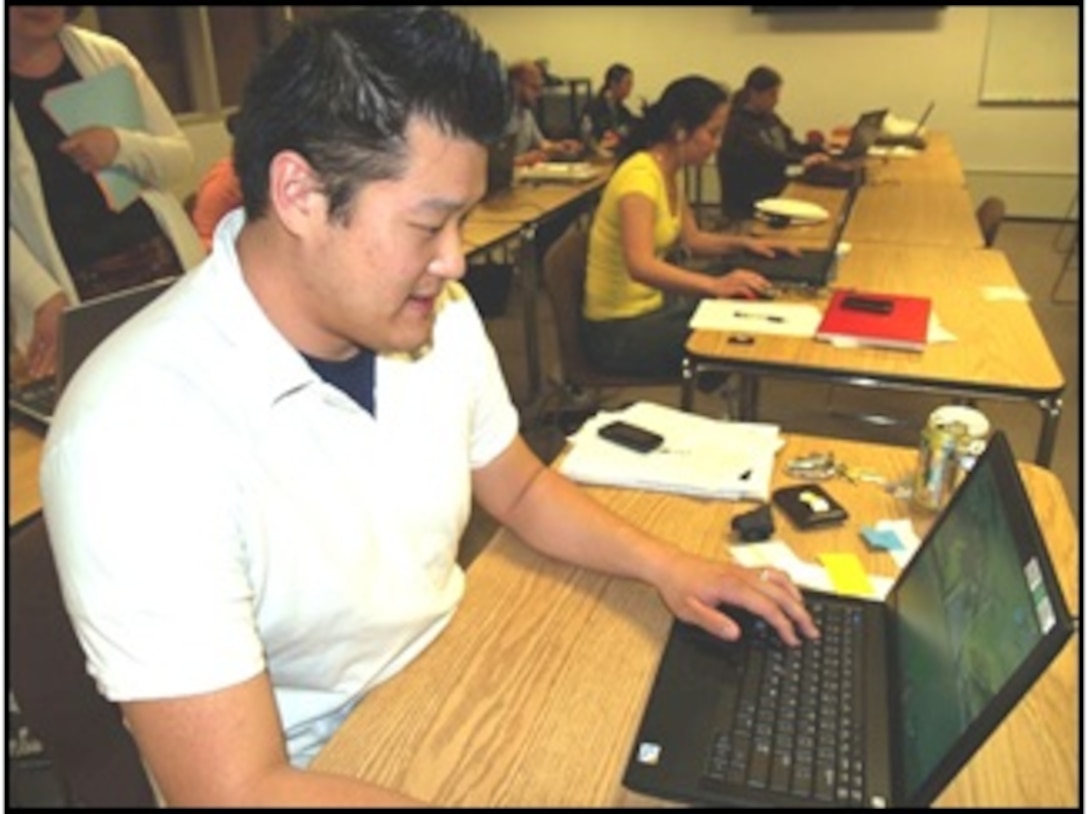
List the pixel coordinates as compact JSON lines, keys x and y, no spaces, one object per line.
{"x":749,"y":397}
{"x":1052,"y":411}
{"x":529,"y":264}
{"x":688,"y":375}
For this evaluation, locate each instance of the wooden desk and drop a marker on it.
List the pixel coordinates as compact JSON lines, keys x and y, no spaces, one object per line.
{"x":24,"y":460}
{"x":938,"y":163}
{"x":480,"y":235}
{"x":532,"y":695}
{"x":915,"y":215}
{"x":1000,"y":351}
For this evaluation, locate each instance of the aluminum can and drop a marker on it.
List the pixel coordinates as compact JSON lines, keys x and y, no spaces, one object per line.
{"x":972,"y":442}
{"x":934,"y":478}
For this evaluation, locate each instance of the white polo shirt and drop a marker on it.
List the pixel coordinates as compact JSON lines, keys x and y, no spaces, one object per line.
{"x":216,"y":509}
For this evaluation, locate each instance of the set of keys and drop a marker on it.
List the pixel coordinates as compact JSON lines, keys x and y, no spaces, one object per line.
{"x":823,"y":466}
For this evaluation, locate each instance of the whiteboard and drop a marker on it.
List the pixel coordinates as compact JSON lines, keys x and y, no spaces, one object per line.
{"x":1032,"y":55}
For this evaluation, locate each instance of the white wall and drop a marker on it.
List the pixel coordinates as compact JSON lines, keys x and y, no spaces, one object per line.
{"x":834,"y":65}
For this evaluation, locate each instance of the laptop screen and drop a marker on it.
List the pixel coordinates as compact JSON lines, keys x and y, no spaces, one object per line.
{"x":500,"y":164}
{"x":865,"y":133}
{"x":972,"y":607}
{"x":85,"y":324}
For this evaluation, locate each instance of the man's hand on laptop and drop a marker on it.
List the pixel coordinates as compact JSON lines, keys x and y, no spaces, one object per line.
{"x":694,"y":588}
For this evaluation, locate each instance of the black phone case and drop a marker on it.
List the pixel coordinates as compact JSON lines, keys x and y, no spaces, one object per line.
{"x":630,"y":436}
{"x":871,"y":305}
{"x":809,"y":506}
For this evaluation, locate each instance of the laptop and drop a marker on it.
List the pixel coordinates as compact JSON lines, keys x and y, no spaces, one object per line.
{"x":864,"y":134}
{"x":80,"y":330}
{"x":914,"y":139}
{"x":970,"y":624}
{"x":847,"y":169}
{"x":813,"y":268}
{"x":500,"y":164}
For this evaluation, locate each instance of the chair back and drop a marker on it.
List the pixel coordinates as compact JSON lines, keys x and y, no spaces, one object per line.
{"x":83,"y":734}
{"x":990,"y":213}
{"x":564,"y":280}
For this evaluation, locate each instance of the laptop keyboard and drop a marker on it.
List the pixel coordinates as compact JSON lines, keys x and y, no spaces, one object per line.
{"x":796,"y":725}
{"x":39,"y":395}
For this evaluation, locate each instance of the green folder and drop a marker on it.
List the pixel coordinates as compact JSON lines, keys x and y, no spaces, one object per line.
{"x":106,"y":99}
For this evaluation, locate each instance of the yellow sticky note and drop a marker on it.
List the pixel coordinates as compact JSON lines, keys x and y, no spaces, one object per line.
{"x":847,"y":575}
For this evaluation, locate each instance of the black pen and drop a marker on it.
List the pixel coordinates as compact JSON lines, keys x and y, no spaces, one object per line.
{"x":768,"y":317}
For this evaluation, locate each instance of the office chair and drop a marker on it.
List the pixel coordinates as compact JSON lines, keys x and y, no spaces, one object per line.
{"x":564,"y":281}
{"x":83,"y":733}
{"x":990,"y":214}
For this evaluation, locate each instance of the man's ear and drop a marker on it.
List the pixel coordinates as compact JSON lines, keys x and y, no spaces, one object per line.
{"x":294,"y":192}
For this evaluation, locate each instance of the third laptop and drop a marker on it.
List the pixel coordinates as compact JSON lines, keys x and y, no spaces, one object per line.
{"x":81,"y":328}
{"x":847,"y":169}
{"x":909,"y":688}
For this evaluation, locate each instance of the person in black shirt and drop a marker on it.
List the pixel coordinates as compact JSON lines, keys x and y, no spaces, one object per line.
{"x":758,"y":146}
{"x":606,"y":121}
{"x":68,"y":240}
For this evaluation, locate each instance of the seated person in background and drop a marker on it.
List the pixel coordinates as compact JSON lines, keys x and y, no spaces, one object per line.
{"x":219,"y":192}
{"x":299,"y":545}
{"x":758,"y":146}
{"x":65,"y":241}
{"x":637,"y":302}
{"x":526,"y":82}
{"x":606,"y":120}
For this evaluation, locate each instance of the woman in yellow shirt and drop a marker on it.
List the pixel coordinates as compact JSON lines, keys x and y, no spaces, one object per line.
{"x":638,"y":302}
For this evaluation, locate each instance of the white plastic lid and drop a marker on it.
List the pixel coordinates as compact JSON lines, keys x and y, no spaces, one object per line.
{"x":977,"y":424}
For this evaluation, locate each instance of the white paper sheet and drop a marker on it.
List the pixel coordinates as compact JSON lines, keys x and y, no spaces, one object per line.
{"x":702,"y":457}
{"x":742,"y":316}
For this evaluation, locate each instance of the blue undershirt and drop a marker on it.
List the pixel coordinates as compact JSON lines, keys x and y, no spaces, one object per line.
{"x":355,"y":376}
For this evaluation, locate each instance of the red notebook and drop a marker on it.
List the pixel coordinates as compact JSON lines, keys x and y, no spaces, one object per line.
{"x":876,"y":319}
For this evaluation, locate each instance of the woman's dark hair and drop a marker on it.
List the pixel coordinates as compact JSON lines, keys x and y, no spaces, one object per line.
{"x":615,"y":74}
{"x":686,"y":104}
{"x":341,"y":90}
{"x":762,"y":78}
{"x":758,"y":80}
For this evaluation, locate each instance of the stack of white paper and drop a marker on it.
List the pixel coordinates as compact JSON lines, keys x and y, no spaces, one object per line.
{"x":703,"y":457}
{"x":781,"y":318}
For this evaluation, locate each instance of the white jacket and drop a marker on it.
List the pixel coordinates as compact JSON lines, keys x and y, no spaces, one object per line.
{"x":158,"y":156}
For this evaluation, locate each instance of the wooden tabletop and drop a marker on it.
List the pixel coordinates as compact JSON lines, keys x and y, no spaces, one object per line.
{"x":24,"y":460}
{"x":1000,"y":346}
{"x":481,"y":235}
{"x":915,"y":215}
{"x":532,"y":695}
{"x":938,"y":163}
{"x":529,"y":201}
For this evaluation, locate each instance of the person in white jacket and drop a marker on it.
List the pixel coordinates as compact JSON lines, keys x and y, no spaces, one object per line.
{"x":65,"y":242}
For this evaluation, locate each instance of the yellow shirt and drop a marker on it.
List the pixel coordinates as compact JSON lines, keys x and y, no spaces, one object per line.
{"x":611,"y":293}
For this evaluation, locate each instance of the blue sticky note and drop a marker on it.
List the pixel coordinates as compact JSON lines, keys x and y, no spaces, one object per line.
{"x":881,"y":538}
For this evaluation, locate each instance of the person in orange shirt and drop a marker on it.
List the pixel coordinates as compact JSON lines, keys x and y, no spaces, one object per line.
{"x":219,"y":192}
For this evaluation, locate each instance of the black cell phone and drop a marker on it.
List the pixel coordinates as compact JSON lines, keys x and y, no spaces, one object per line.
{"x":870,"y":304}
{"x":631,"y":436}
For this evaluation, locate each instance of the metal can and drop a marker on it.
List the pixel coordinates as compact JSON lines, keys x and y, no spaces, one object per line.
{"x":972,"y":443}
{"x":937,"y":463}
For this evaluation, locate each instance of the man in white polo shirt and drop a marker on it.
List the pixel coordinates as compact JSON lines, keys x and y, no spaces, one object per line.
{"x":255,"y":489}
